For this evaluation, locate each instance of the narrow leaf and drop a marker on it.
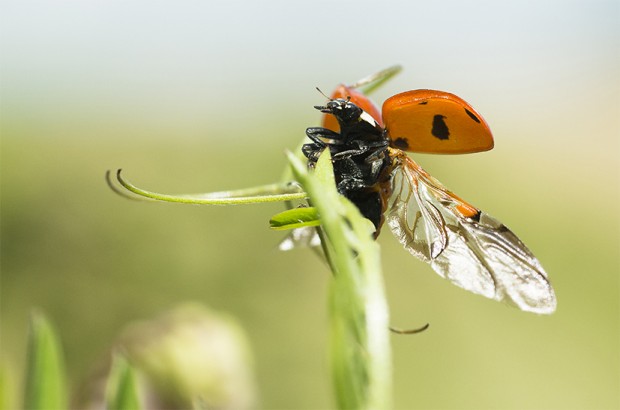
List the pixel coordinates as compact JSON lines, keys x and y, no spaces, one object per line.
{"x":45,"y":386}
{"x":294,"y":218}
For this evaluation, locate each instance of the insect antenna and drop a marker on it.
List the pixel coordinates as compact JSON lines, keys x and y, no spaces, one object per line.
{"x":323,"y":94}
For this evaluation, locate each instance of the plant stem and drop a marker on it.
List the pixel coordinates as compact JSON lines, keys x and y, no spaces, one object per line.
{"x":360,"y":347}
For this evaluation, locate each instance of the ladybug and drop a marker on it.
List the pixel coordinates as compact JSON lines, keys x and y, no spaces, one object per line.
{"x":461,"y":243}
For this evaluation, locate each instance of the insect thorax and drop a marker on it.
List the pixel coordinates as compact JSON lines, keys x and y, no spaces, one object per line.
{"x":361,"y":163}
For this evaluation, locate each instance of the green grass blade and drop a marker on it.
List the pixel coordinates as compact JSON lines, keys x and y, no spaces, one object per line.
{"x":121,"y":389}
{"x":7,"y":388}
{"x":45,"y":385}
{"x":360,"y":347}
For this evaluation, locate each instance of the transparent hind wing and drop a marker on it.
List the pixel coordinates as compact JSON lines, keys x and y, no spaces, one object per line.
{"x":468,"y":247}
{"x":417,"y":225}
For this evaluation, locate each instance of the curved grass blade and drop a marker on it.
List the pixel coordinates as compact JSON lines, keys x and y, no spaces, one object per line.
{"x":122,"y":191}
{"x":266,"y":193}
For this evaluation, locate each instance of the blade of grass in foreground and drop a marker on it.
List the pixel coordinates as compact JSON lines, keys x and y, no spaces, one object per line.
{"x":121,"y":389}
{"x":45,"y":386}
{"x":360,"y":347}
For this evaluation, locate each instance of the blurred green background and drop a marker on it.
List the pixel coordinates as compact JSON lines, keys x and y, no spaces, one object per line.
{"x":201,"y":96}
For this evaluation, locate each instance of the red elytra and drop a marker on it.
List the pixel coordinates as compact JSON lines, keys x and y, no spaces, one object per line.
{"x":435,"y":122}
{"x":424,"y":121}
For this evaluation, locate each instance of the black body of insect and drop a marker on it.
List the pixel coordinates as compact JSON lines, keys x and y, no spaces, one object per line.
{"x":362,"y":166}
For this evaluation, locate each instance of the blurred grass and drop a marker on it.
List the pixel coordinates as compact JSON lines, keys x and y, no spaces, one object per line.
{"x":121,"y":388}
{"x":45,"y":382}
{"x":83,"y":254}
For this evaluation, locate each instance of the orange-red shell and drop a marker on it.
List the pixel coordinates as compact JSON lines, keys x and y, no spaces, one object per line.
{"x":436,"y":122}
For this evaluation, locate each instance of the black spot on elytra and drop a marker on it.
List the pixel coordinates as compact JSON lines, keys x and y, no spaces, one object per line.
{"x":440,"y":129}
{"x":400,"y":143}
{"x":423,"y":103}
{"x":472,"y":116}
